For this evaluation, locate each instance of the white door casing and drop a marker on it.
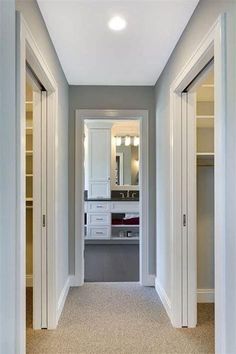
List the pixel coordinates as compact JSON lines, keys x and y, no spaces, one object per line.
{"x":212,"y":46}
{"x":28,"y":51}
{"x":84,"y":115}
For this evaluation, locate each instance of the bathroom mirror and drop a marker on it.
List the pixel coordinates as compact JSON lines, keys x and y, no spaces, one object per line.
{"x":127,"y":165}
{"x":126,"y":151}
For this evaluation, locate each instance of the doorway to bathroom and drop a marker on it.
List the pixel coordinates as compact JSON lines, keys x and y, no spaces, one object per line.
{"x":111,"y":231}
{"x":111,"y":200}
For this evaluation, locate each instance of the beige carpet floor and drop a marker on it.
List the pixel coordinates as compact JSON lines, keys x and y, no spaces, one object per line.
{"x":121,"y":318}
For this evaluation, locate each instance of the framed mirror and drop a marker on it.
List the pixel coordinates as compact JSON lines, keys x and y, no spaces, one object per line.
{"x":127,"y":165}
{"x":125,"y":155}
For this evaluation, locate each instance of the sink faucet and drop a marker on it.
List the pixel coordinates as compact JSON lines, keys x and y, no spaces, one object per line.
{"x":133,"y":195}
{"x":127,"y":195}
{"x":122,"y":195}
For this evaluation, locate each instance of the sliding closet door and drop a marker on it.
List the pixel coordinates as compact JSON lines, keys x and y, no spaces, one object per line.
{"x":44,"y":209}
{"x":184,"y":206}
{"x":39,"y":209}
{"x":192,"y":208}
{"x":189,"y":250}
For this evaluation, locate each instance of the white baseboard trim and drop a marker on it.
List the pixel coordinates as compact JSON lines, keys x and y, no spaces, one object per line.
{"x":149,"y":281}
{"x":29,"y":280}
{"x":62,"y":298}
{"x":205,"y":295}
{"x":74,"y":282}
{"x":163,"y":296}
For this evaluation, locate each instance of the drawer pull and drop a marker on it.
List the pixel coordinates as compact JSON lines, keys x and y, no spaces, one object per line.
{"x":99,"y":233}
{"x":99,"y":219}
{"x":99,"y":206}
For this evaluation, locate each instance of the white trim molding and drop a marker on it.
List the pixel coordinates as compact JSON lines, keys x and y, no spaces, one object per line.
{"x":205,"y":295}
{"x":142,"y":116}
{"x":150,"y":280}
{"x":163,"y":297}
{"x":62,"y":298}
{"x":212,"y":46}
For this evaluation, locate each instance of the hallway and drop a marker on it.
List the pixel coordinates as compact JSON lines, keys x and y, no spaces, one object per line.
{"x":121,"y":318}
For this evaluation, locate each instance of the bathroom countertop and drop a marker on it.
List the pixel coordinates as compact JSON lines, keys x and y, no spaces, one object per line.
{"x":113,"y":200}
{"x":115,"y":197}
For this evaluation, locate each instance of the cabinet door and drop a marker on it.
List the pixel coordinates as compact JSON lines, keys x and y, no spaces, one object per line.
{"x":99,"y":165}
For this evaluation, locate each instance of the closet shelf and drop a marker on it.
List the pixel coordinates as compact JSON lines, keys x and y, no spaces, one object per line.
{"x":29,"y":130}
{"x":29,"y":152}
{"x":205,"y":154}
{"x":205,"y":117}
{"x":205,"y":159}
{"x":205,"y":121}
{"x":29,"y":175}
{"x":29,"y":199}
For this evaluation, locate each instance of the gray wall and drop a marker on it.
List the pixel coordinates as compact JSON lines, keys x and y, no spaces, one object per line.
{"x":111,"y":97}
{"x":8,"y":232}
{"x":201,"y":21}
{"x":205,"y":227}
{"x":32,"y":15}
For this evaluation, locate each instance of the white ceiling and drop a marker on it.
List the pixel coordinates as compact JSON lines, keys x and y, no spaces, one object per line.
{"x":91,"y":54}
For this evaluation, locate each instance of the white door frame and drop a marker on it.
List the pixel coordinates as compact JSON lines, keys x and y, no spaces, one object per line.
{"x":189,"y":200}
{"x":213,"y":45}
{"x":142,"y":116}
{"x":27,"y":50}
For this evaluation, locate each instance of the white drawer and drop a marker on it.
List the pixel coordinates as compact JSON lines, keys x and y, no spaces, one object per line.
{"x":99,"y":232}
{"x":99,"y":218}
{"x":98,"y":206}
{"x":125,"y":207}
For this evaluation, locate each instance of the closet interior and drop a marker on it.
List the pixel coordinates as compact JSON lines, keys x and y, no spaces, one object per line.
{"x":205,"y":189}
{"x":29,"y":200}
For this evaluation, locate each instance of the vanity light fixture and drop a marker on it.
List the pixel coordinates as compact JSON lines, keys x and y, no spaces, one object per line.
{"x":136,"y":140}
{"x":127,"y":140}
{"x":117,"y":23}
{"x":118,"y":140}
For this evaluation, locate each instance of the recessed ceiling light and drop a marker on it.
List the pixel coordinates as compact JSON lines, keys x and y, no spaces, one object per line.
{"x":117,"y":23}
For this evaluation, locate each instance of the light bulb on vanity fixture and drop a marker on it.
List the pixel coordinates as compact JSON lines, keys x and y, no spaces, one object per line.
{"x":136,"y":140}
{"x":127,"y":140}
{"x":118,"y":140}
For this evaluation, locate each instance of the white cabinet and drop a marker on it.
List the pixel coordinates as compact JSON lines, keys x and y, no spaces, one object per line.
{"x":99,"y":162}
{"x":92,"y":207}
{"x":100,"y":220}
{"x":99,"y":232}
